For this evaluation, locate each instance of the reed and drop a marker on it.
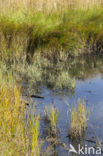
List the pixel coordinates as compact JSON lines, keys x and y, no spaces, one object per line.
{"x":47,"y":4}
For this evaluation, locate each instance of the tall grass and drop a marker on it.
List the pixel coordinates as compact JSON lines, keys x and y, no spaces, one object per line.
{"x":47,"y":4}
{"x":52,"y":117}
{"x":34,"y":129}
{"x":23,"y":32}
{"x":12,"y":130}
{"x":78,"y":120}
{"x":15,"y":139}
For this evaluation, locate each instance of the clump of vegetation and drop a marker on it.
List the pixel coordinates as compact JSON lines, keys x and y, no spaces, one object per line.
{"x":11,"y":123}
{"x":52,"y":116}
{"x":63,"y":80}
{"x":60,"y":79}
{"x":35,"y":145}
{"x":78,"y":120}
{"x":16,"y":139}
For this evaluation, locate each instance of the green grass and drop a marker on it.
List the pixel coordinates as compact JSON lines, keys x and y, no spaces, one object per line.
{"x":22,"y":32}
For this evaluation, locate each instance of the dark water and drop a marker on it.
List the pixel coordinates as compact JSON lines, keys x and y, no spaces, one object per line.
{"x":89,"y":86}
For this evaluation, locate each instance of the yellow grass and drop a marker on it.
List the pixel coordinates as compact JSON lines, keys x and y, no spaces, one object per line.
{"x":54,"y":115}
{"x":78,"y":119}
{"x":11,"y":127}
{"x":15,"y":138}
{"x":35,"y":146}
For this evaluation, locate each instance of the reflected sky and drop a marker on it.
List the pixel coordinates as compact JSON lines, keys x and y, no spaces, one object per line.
{"x":92,"y":91}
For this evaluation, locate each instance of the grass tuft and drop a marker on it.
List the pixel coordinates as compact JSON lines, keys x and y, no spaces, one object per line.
{"x":52,"y":116}
{"x":78,"y":119}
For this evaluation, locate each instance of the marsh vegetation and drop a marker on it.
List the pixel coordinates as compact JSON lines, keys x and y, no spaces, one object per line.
{"x":78,"y":119}
{"x":50,"y":44}
{"x":19,"y":135}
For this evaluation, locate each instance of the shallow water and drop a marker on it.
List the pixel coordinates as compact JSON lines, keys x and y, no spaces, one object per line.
{"x":90,"y":89}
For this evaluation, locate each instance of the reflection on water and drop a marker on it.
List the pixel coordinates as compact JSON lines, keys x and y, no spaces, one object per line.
{"x":89,"y":86}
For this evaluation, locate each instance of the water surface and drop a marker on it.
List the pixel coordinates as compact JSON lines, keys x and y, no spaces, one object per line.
{"x":89,"y":86}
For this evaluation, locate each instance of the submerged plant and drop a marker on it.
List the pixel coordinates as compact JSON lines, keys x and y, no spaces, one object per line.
{"x":78,"y":119}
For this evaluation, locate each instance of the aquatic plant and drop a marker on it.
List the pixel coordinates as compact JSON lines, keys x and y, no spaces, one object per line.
{"x":63,"y":80}
{"x":35,"y":145}
{"x":78,"y":119}
{"x":52,"y":116}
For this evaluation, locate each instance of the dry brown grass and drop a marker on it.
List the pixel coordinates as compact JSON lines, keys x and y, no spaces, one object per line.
{"x":47,"y":4}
